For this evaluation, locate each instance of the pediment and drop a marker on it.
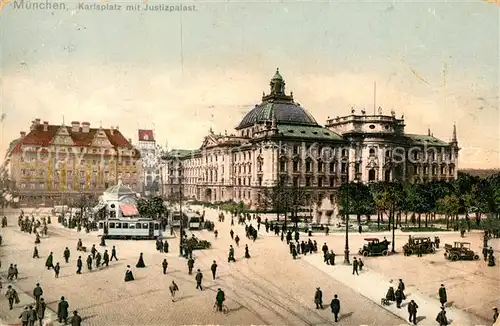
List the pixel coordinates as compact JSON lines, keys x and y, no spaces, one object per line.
{"x":62,"y":137}
{"x":210,"y":142}
{"x":101,"y":140}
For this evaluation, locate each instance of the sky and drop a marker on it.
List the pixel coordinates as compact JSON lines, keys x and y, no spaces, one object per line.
{"x":184,"y":72}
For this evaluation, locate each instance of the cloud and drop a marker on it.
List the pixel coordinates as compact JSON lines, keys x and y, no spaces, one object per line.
{"x":184,"y":105}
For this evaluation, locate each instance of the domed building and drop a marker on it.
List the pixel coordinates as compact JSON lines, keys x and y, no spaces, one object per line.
{"x":279,"y":140}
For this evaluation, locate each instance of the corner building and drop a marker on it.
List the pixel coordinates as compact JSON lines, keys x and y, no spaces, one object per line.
{"x":55,"y":164}
{"x":279,"y":140}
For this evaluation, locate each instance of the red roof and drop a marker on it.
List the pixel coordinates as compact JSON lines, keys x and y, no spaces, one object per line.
{"x":146,"y":135}
{"x":39,"y":137}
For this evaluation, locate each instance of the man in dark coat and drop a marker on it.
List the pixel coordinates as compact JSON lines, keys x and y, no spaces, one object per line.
{"x":93,"y":251}
{"x":318,"y":298}
{"x":105,"y":258}
{"x":335,"y":305}
{"x":32,"y":316}
{"x":79,"y":265}
{"x":401,"y":286}
{"x":412,"y":311}
{"x":62,"y":311}
{"x":230,"y":257}
{"x":199,"y":278}
{"x":213,"y":268}
{"x":113,"y":254}
{"x":355,"y":266}
{"x":219,"y":299}
{"x":495,"y":315}
{"x":441,"y":318}
{"x":190,"y":264}
{"x":331,"y":257}
{"x":40,"y":310}
{"x":399,"y":297}
{"x":35,"y":253}
{"x":37,"y":292}
{"x":66,"y":255}
{"x":325,"y":252}
{"x":49,"y":261}
{"x":485,"y":253}
{"x":25,"y":316}
{"x":443,"y":298}
{"x":165,"y":247}
{"x":89,"y":263}
{"x":76,"y":320}
{"x":164,"y":265}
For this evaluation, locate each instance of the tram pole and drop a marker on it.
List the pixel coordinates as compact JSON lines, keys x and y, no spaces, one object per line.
{"x":180,"y":211}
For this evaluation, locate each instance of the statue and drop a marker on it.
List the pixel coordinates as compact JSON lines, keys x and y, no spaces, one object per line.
{"x":393,"y":113}
{"x":352,"y":110}
{"x":380,"y":110}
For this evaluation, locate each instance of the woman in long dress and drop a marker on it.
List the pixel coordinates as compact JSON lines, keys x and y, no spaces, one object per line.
{"x":128,"y":274}
{"x":140,"y":263}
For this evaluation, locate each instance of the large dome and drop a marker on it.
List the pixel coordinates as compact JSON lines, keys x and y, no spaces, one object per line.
{"x":285,"y":113}
{"x":278,"y":105}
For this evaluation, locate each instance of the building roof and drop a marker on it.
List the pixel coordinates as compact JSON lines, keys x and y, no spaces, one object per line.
{"x":285,"y":113}
{"x":39,"y":137}
{"x":308,"y":132}
{"x":146,"y":135}
{"x":120,"y":190}
{"x":426,"y":140}
{"x":182,"y":153}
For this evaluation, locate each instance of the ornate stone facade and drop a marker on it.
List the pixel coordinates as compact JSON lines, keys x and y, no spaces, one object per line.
{"x":280,"y":139}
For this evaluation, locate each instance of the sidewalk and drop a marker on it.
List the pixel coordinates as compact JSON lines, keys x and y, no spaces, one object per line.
{"x":374,"y":287}
{"x":11,"y":317}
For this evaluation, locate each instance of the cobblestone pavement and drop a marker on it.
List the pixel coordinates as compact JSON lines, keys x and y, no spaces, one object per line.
{"x":270,"y":288}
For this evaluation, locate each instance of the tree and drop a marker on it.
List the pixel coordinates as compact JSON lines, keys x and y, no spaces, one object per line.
{"x":356,"y":198}
{"x":273,"y":198}
{"x":152,"y":207}
{"x":450,"y":206}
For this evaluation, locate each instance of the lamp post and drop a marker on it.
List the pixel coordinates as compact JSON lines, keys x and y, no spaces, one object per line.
{"x":346,"y":251}
{"x":181,"y":239}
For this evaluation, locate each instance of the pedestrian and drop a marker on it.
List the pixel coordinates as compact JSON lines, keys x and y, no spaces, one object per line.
{"x":495,"y":315}
{"x":399,"y":298}
{"x":89,"y":263}
{"x":213,"y":268}
{"x":97,"y":259}
{"x":35,"y":253}
{"x":37,"y":292}
{"x":105,"y":258}
{"x":199,"y":278}
{"x":412,"y":311}
{"x":355,"y":266}
{"x":16,"y":271}
{"x":164,"y":265}
{"x":40,"y":310}
{"x":318,"y":298}
{"x":332,"y":258}
{"x":62,"y":311}
{"x":113,"y":254}
{"x":79,"y":265}
{"x":57,"y":269}
{"x":485,"y":253}
{"x":237,"y":240}
{"x":32,"y":316}
{"x":25,"y":316}
{"x":49,"y":261}
{"x":443,"y":298}
{"x":12,"y":296}
{"x":247,"y":253}
{"x":66,"y":255}
{"x":361,"y":264}
{"x":165,"y":247}
{"x":441,"y":318}
{"x":93,"y":251}
{"x":335,"y":306}
{"x":173,"y":289}
{"x":190,"y":264}
{"x":140,"y":262}
{"x":76,"y":320}
{"x":231,"y":233}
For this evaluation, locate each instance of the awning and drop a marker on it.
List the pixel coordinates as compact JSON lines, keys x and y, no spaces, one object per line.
{"x":129,"y":210}
{"x":98,"y":207}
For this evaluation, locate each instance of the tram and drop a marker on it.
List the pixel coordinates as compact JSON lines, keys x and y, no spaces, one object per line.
{"x":176,"y":219}
{"x":130,"y":228}
{"x":194,"y":221}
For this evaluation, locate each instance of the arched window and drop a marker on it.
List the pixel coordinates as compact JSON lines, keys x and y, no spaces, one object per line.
{"x":372,"y":151}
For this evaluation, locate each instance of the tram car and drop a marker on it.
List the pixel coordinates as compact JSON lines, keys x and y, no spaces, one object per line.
{"x":194,"y":221}
{"x":176,"y":219}
{"x":130,"y":228}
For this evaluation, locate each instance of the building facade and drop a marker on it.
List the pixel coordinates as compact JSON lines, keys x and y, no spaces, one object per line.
{"x":151,"y":162}
{"x":58,"y":164}
{"x":279,"y":140}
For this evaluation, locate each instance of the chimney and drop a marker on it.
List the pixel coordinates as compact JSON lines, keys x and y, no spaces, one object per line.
{"x":75,"y":126}
{"x":111,"y":130}
{"x":23,"y":134}
{"x":33,"y":125}
{"x":45,"y":126}
{"x":85,"y":127}
{"x":130,"y":140}
{"x":37,"y":121}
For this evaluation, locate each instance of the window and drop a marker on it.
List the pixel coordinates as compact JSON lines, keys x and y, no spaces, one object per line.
{"x":426,"y":170}
{"x":308,"y":166}
{"x":344,"y":152}
{"x":157,"y":226}
{"x":372,"y":126}
{"x":452,"y":170}
{"x":320,"y":182}
{"x":260,"y":181}
{"x":296,"y":166}
{"x":101,"y":225}
{"x":145,"y":225}
{"x":296,"y":181}
{"x":443,"y":170}
{"x":357,"y":168}
{"x":308,"y":181}
{"x":131,"y":226}
{"x":283,"y":165}
{"x":125,"y":225}
{"x":332,"y":182}
{"x":332,"y":167}
{"x":111,"y":225}
{"x":372,"y":152}
{"x":320,"y":166}
{"x":344,"y":168}
{"x":434,"y":170}
{"x":371,"y":175}
{"x":296,"y":150}
{"x":118,"y":225}
{"x":138,"y":226}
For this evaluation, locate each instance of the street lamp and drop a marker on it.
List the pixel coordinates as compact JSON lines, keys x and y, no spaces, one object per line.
{"x":180,"y":209}
{"x":346,"y":250}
